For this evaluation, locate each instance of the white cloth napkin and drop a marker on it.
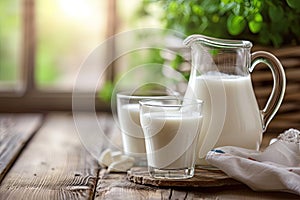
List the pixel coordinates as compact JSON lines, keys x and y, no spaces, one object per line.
{"x":277,"y":168}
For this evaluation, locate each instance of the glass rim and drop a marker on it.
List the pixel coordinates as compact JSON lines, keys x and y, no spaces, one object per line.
{"x":148,"y":95}
{"x":144,"y":102}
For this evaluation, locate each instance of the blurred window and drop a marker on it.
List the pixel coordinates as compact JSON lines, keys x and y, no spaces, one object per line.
{"x":44,"y":43}
{"x":66,"y":32}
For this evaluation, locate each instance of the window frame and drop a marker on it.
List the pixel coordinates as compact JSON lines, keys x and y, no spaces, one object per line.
{"x":28,"y":98}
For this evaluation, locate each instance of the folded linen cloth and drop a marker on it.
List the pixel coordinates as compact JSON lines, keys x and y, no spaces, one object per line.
{"x":277,"y":168}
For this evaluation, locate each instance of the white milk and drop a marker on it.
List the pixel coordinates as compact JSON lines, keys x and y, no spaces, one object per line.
{"x":171,"y":138}
{"x":230,"y":112}
{"x":132,"y":133}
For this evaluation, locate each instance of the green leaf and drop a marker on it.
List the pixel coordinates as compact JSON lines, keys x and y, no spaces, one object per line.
{"x":276,"y":13}
{"x":294,"y":4}
{"x":255,"y":25}
{"x":235,"y":24}
{"x":198,"y":10}
{"x":257,"y":3}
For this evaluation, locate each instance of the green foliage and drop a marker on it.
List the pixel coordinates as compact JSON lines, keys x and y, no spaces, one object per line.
{"x":265,"y":22}
{"x":175,"y":64}
{"x":106,"y":92}
{"x":134,"y":59}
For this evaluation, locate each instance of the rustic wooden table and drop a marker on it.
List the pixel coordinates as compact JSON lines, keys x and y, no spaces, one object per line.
{"x":43,"y":157}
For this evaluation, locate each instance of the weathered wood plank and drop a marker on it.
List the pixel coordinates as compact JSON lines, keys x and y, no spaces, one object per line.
{"x":15,"y":131}
{"x":53,"y":166}
{"x":116,"y":186}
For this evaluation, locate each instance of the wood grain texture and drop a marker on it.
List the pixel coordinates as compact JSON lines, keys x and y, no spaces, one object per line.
{"x":53,"y":166}
{"x":15,"y":131}
{"x":116,"y":186}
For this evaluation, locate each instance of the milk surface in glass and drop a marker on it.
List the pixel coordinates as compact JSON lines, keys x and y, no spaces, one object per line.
{"x":230,"y":112}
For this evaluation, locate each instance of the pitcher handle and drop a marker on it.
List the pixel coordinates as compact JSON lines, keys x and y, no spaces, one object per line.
{"x":279,"y":84}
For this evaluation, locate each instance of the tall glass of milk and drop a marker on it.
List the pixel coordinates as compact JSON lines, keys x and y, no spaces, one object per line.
{"x":221,"y":77}
{"x":129,"y":120}
{"x":171,"y":130}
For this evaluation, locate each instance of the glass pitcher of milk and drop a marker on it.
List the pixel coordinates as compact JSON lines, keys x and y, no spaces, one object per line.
{"x":220,"y":76}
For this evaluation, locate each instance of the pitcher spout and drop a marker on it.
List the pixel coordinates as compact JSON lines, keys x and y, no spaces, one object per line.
{"x":196,"y":37}
{"x":222,"y":43}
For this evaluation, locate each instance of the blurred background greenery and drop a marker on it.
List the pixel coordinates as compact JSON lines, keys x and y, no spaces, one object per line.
{"x":265,"y":22}
{"x":272,"y":23}
{"x":68,"y":30}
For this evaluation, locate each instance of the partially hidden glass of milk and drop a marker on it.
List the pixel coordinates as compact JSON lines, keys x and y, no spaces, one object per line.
{"x":132,"y":133}
{"x":129,"y":119}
